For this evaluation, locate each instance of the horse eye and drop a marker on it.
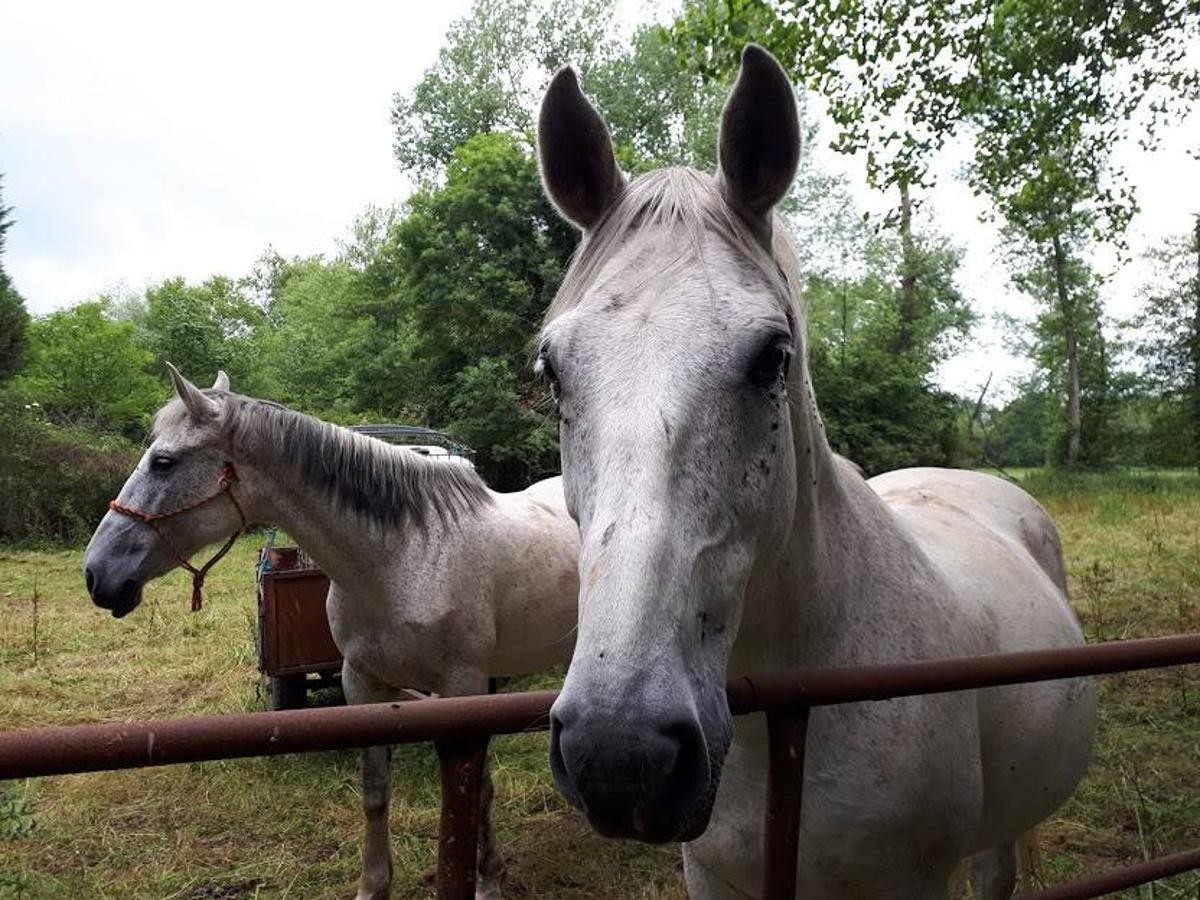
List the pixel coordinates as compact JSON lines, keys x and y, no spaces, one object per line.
{"x":771,"y":364}
{"x":544,"y":370}
{"x":161,"y":463}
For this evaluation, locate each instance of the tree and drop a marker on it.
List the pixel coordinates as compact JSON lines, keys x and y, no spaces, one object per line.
{"x":14,"y":320}
{"x":1057,"y":85}
{"x":890,"y":72}
{"x":480,"y":259}
{"x":1015,"y":433}
{"x":202,"y":329}
{"x":881,"y":408}
{"x":1169,"y":323}
{"x":310,"y":354}
{"x":490,"y":410}
{"x":489,"y":73}
{"x":1046,"y":88}
{"x":86,"y":369}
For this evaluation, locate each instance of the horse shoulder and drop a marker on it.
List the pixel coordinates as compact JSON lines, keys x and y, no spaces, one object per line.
{"x":535,"y":546}
{"x":996,"y":546}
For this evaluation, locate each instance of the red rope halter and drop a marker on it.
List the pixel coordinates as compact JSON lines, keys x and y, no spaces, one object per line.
{"x":225,"y":485}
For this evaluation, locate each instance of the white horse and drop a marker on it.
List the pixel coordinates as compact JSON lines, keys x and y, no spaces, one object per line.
{"x":721,"y":536}
{"x":437,"y":582}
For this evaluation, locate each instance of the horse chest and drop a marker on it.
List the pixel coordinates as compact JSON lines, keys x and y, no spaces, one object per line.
{"x":405,"y":641}
{"x":886,"y":786}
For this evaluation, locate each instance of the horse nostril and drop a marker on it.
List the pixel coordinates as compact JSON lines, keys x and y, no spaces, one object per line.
{"x":90,"y":577}
{"x":690,"y":763}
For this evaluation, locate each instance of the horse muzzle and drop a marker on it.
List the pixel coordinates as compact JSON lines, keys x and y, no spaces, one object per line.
{"x":648,"y":779}
{"x":118,"y":595}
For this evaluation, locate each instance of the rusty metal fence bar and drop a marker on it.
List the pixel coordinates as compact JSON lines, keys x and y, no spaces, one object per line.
{"x":460,"y":728}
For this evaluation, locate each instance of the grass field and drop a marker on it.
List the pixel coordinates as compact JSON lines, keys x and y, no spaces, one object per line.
{"x":289,"y":826}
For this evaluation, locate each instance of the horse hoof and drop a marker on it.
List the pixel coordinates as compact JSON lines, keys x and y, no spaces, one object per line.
{"x":488,"y":892}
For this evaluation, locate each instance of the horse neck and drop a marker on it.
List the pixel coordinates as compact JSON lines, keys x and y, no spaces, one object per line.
{"x":344,"y":544}
{"x":804,"y":606}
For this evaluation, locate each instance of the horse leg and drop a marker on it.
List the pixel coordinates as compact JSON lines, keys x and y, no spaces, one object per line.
{"x":490,"y":866}
{"x":375,"y":881}
{"x":995,"y":872}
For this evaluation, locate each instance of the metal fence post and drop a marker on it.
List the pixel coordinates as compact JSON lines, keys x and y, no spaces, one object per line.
{"x":461,"y":762}
{"x":786,"y":732}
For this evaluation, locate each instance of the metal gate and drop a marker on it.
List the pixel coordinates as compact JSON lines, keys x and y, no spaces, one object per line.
{"x":461,"y":726}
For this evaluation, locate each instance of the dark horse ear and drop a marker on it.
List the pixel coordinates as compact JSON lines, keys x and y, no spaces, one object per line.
{"x":579,"y":169}
{"x":759,"y":147}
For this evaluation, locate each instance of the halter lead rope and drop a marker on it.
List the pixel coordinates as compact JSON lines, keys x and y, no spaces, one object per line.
{"x":224,"y":487}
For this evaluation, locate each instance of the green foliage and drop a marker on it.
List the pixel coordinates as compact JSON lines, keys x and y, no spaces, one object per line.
{"x":1048,"y":340}
{"x":87,"y":370}
{"x":891,"y":72}
{"x":14,"y":328}
{"x":1169,"y":333}
{"x":307,"y":354}
{"x":517,"y":445}
{"x":14,"y":320}
{"x":202,"y":329}
{"x":1057,"y":84}
{"x":426,"y":313}
{"x":489,"y":73}
{"x":1156,"y":430}
{"x":659,"y":112}
{"x":1044,"y":88}
{"x":874,"y":387}
{"x":1015,"y":433}
{"x":481,"y":258}
{"x":55,"y":482}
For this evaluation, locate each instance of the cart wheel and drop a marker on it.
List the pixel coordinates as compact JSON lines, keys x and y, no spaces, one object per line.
{"x":289,"y":692}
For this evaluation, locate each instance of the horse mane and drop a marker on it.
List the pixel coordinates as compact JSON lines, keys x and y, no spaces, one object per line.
{"x":388,"y":485}
{"x":687,"y":199}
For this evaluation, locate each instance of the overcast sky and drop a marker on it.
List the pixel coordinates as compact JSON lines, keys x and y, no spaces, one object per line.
{"x":148,"y":140}
{"x":144,"y":140}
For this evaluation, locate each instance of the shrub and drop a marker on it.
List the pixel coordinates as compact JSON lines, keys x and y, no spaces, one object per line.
{"x":55,"y":482}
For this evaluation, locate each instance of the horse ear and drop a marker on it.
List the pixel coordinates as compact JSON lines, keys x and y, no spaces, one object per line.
{"x":759,"y":146}
{"x":579,"y":170}
{"x":199,"y":407}
{"x":222,"y":382}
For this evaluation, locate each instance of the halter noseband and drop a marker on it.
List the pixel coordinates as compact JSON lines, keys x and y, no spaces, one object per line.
{"x":224,"y":487}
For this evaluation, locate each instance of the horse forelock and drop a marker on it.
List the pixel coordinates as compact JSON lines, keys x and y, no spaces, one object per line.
{"x":388,"y":485}
{"x":690,"y":202}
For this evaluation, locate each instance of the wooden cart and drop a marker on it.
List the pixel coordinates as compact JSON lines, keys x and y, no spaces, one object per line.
{"x":296,"y":651}
{"x":294,"y":641}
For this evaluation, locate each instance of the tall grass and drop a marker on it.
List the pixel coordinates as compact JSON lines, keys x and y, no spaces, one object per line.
{"x":288,"y":827}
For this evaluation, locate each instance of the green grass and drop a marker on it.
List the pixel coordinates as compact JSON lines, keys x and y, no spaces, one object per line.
{"x":289,"y":826}
{"x":263,"y":828}
{"x":1132,"y":543}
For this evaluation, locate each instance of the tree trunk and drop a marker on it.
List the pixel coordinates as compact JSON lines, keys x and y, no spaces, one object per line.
{"x":1071,"y":329}
{"x":908,"y":273}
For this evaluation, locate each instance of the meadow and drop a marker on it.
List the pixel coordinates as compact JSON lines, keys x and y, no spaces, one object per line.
{"x":288,"y":827}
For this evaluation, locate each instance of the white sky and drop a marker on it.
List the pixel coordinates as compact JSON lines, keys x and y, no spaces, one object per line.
{"x":140,"y":141}
{"x":144,"y":140}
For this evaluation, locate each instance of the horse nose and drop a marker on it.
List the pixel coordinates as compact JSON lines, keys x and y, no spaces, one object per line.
{"x":634,"y":775}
